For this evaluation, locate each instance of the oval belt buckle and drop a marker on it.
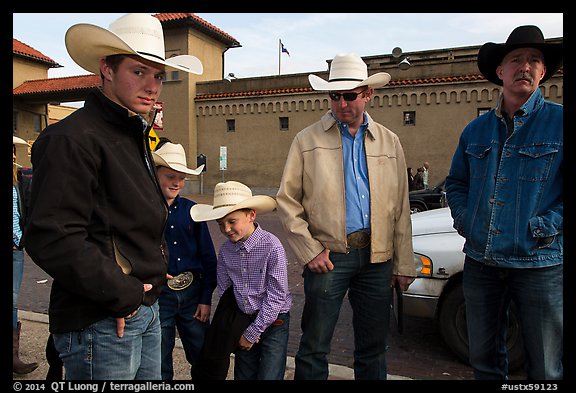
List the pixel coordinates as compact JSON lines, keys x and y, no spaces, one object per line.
{"x":358,"y":239}
{"x":363,"y":239}
{"x":181,"y":281}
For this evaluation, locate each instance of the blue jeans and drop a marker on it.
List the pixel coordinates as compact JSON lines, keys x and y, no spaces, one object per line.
{"x":17,"y":274}
{"x":369,"y":293}
{"x":538,"y":297}
{"x":97,"y":352}
{"x":267,"y":359}
{"x":177,"y":310}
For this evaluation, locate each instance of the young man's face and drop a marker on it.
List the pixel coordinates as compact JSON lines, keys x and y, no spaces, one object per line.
{"x":171,"y":182}
{"x":135,"y":84}
{"x":238,"y":225}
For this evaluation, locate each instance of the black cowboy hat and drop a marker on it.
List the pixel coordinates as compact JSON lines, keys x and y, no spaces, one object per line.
{"x":490,"y":55}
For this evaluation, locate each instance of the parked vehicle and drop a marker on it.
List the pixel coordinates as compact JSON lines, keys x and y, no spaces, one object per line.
{"x":432,"y":198}
{"x":437,"y":291}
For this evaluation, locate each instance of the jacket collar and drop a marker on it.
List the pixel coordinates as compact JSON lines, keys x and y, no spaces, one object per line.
{"x":113,"y":112}
{"x":532,"y":104}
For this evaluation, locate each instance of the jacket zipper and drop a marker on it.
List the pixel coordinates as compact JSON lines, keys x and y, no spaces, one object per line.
{"x":152,"y":171}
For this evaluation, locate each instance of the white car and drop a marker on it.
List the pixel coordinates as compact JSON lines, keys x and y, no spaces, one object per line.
{"x":437,"y":291}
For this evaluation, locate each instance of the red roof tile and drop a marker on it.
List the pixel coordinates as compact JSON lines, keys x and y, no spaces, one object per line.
{"x":20,"y":48}
{"x":194,"y":19}
{"x":58,"y":84}
{"x":308,"y":89}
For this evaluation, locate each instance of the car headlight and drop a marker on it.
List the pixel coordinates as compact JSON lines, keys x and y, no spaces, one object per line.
{"x":423,"y":265}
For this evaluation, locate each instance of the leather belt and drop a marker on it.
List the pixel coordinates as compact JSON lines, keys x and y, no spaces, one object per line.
{"x":183,"y":280}
{"x":358,"y":239}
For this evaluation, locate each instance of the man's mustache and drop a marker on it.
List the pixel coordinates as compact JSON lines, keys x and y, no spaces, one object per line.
{"x":524,"y":76}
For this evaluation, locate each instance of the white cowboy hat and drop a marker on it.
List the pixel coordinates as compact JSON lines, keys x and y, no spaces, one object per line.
{"x":173,"y":156}
{"x":229,"y":197}
{"x":19,"y":141}
{"x":348,"y":71}
{"x":131,"y":34}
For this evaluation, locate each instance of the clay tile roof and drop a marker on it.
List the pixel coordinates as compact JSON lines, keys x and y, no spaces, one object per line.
{"x":403,"y":82}
{"x":190,"y":19}
{"x":21,"y":49}
{"x":53,"y":85}
{"x":449,"y":79}
{"x":254,"y":93}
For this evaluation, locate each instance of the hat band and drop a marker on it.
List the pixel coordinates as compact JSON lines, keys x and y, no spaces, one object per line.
{"x":345,"y":79}
{"x":224,"y":205}
{"x":150,"y":54}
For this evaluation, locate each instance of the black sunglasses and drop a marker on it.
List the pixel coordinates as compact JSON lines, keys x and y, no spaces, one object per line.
{"x":347,"y":96}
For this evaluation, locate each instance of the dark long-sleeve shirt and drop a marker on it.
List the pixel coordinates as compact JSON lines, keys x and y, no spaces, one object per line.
{"x":190,"y":246}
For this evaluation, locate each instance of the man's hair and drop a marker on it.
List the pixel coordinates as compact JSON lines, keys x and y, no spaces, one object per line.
{"x":113,"y":62}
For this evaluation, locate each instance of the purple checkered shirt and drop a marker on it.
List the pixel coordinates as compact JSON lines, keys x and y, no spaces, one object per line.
{"x":258,"y":269}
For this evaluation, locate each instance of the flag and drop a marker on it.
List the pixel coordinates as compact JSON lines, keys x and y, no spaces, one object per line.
{"x":284,"y":50}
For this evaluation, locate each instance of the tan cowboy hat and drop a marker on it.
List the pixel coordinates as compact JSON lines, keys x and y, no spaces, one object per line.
{"x":131,"y":34}
{"x":348,"y":71}
{"x":173,"y":156}
{"x":229,"y":197}
{"x":19,"y":141}
{"x":490,"y":54}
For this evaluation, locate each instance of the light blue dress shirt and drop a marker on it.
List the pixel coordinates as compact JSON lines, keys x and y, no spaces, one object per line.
{"x":355,"y":178}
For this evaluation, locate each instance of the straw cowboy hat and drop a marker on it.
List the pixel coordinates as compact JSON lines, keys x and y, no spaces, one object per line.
{"x":19,"y":141}
{"x":173,"y":156}
{"x":490,"y":54}
{"x":131,"y":34}
{"x":229,"y":197}
{"x":348,"y":71}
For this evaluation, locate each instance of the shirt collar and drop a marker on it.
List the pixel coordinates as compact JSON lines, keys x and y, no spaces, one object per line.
{"x":252,"y":240}
{"x":344,"y":126}
{"x":176,"y":200}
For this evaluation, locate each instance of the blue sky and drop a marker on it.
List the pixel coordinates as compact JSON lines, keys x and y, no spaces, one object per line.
{"x":311,"y":38}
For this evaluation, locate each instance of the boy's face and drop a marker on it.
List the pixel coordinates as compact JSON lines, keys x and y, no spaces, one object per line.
{"x":171,"y":181}
{"x":238,"y":225}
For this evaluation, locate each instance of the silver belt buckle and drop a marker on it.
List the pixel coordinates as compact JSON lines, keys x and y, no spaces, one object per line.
{"x":181,"y":281}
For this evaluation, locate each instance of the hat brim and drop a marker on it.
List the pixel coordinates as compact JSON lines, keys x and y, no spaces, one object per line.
{"x":490,"y":56}
{"x":87,"y":44}
{"x":377,"y":80}
{"x":159,"y":161}
{"x":261,"y":203}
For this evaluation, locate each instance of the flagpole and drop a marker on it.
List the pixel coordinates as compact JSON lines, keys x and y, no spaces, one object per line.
{"x":279,"y":54}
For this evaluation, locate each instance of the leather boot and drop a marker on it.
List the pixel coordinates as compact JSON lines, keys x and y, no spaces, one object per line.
{"x":18,"y":366}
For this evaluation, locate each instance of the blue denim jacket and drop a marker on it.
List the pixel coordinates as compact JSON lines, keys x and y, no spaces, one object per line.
{"x":506,"y":197}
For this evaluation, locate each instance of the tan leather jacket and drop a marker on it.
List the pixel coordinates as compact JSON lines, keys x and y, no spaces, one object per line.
{"x":311,"y":201}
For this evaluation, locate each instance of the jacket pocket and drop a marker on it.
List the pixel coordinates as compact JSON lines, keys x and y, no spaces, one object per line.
{"x":535,"y":161}
{"x":478,"y":160}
